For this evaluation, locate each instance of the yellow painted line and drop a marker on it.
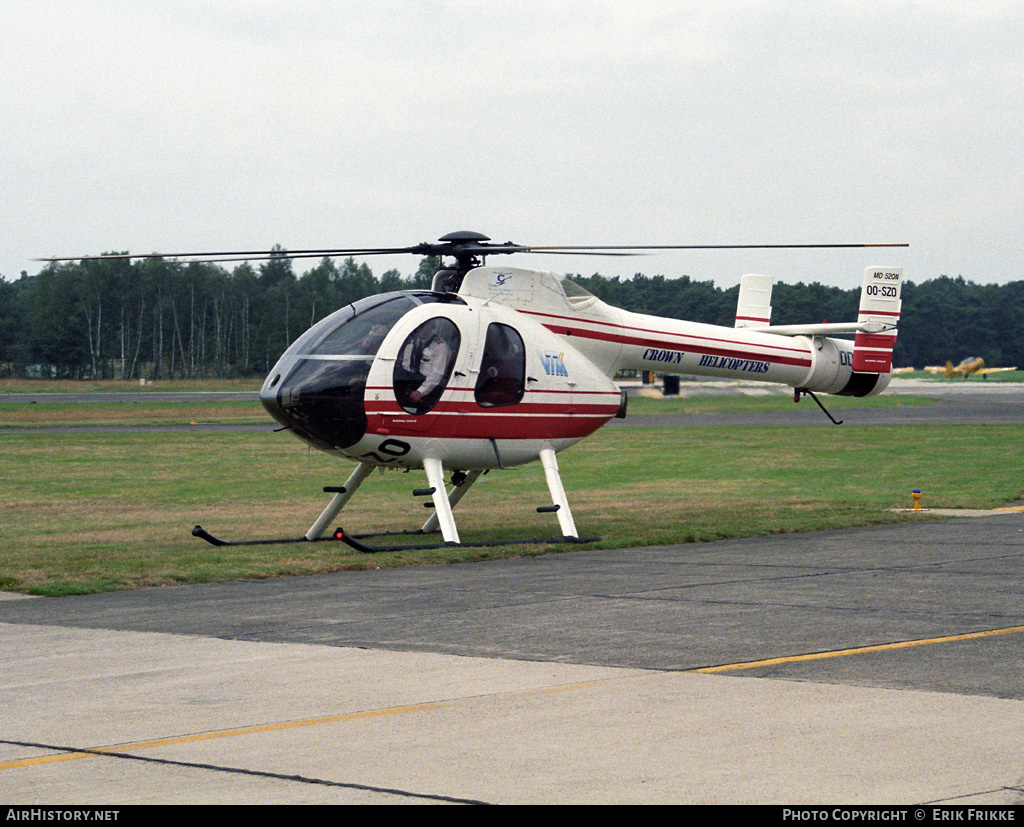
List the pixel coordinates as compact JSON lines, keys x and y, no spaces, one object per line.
{"x":222,"y":733}
{"x":568,"y":687}
{"x":861,"y":650}
{"x":97,"y":752}
{"x":376,"y":713}
{"x":1010,"y":508}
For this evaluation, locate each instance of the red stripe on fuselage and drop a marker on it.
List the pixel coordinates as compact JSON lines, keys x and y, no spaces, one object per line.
{"x":562,"y":418}
{"x":497,"y":424}
{"x":523,"y":408}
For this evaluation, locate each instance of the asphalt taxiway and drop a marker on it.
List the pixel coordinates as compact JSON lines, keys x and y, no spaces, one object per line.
{"x":878,"y":665}
{"x":868,"y":666}
{"x":948,"y":403}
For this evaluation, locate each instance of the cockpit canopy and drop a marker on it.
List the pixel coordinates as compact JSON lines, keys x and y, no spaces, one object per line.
{"x":317,"y":387}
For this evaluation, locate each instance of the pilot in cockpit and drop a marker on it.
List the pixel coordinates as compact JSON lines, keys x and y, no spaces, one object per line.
{"x":423,"y":365}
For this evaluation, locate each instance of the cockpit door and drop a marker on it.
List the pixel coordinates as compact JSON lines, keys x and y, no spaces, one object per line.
{"x":425,"y":363}
{"x":501,"y":379}
{"x":417,"y":389}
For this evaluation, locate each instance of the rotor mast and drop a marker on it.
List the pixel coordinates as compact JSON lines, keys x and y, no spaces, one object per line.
{"x":468,"y":248}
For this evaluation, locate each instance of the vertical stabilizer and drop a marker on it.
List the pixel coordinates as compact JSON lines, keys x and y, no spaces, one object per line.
{"x":754,"y":307}
{"x":880,"y":306}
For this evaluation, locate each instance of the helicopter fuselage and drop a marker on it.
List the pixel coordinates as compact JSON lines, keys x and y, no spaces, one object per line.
{"x":516,"y":361}
{"x":509,"y":386}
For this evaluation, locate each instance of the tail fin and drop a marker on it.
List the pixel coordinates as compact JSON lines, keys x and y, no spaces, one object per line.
{"x":754,"y":307}
{"x":880,"y":305}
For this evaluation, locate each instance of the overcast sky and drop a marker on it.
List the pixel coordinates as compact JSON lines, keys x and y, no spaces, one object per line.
{"x":240,"y":124}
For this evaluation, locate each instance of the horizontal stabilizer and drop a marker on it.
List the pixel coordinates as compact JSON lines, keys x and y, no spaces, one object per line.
{"x":827,"y":328}
{"x":880,"y":304}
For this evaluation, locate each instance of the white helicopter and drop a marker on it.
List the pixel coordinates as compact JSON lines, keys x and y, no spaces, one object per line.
{"x":495,"y":367}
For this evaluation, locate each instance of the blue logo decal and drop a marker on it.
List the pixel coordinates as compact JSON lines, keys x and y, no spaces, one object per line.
{"x":554,"y":363}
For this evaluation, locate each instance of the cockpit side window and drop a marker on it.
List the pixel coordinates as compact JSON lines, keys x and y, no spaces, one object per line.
{"x":424,"y":364}
{"x":502,"y":378}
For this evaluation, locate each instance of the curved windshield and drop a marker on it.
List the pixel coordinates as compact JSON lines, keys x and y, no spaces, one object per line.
{"x":321,"y":396}
{"x":354,"y":330}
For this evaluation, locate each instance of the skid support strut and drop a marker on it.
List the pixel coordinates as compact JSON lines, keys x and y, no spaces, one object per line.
{"x":456,"y":494}
{"x":355,"y":479}
{"x":561,"y":503}
{"x":442,"y":507}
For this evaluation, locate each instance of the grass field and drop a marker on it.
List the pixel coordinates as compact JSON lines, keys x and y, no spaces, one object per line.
{"x":91,"y":510}
{"x":120,"y":386}
{"x":51,"y":414}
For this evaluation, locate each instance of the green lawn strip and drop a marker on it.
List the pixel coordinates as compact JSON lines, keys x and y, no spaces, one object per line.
{"x":141,"y":412}
{"x":128,"y":386}
{"x":90,"y":512}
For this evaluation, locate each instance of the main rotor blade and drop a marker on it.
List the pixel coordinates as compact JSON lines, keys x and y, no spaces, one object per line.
{"x":582,"y":251}
{"x":263,"y":256}
{"x":450,"y":249}
{"x":536,"y":248}
{"x":246,"y":255}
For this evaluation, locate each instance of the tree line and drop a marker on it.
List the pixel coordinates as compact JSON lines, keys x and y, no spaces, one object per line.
{"x":160,"y":319}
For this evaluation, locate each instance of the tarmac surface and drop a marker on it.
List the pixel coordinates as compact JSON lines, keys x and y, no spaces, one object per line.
{"x":950,"y":403}
{"x":868,"y":666}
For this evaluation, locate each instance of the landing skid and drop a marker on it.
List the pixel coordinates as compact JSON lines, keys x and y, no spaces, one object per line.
{"x":441,"y":500}
{"x":355,"y":541}
{"x":203,"y":534}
